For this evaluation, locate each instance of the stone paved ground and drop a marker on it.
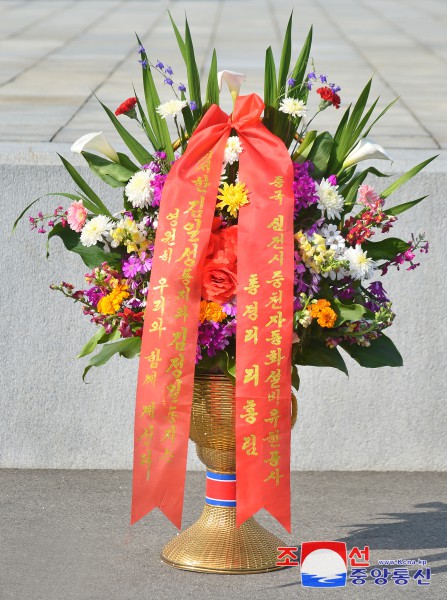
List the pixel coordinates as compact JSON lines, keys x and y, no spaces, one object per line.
{"x":55,"y":53}
{"x":65,"y":534}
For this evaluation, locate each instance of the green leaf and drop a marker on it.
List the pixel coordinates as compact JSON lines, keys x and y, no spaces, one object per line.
{"x":192,"y":70}
{"x":126,"y":162}
{"x":91,"y":195}
{"x":317,"y":354}
{"x":270,"y":90}
{"x":320,"y":153}
{"x":295,"y":378}
{"x":386,"y":249}
{"x":100,"y":337}
{"x":400,"y":208}
{"x":180,"y":41}
{"x":348,"y":312}
{"x":92,"y":256}
{"x":212,"y":89}
{"x":381,"y":353}
{"x":137,"y":149}
{"x":306,"y":145}
{"x":406,"y":177}
{"x":112,"y":173}
{"x":286,"y":54}
{"x":300,"y":68}
{"x":127,"y":347}
{"x":92,"y":343}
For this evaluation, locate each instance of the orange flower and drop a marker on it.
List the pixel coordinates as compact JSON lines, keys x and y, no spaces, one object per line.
{"x":110,"y":304}
{"x":327,"y":317}
{"x":317,"y":307}
{"x":211,"y":311}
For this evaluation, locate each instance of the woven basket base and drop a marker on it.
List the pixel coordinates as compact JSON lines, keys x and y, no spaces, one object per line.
{"x":215,"y":545}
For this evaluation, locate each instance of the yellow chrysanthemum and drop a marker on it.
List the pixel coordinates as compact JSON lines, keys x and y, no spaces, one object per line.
{"x":211,"y":311}
{"x":232,"y":197}
{"x":110,"y":304}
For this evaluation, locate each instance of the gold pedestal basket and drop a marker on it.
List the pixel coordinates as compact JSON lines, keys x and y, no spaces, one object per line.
{"x":214,"y":544}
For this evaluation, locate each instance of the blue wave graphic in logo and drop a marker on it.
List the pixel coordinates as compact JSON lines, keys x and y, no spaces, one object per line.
{"x":312,"y":580}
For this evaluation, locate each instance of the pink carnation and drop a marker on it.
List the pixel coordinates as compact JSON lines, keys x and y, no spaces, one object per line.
{"x":368,"y":197}
{"x":76,"y":215}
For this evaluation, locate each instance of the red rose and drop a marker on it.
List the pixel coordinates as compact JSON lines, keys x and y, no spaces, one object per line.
{"x":218,"y":281}
{"x":223,"y":244}
{"x":127,"y":106}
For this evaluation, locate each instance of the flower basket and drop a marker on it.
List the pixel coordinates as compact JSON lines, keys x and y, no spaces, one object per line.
{"x":248,"y":245}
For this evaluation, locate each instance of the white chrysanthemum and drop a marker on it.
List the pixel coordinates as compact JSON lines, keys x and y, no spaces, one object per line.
{"x":171,"y":108}
{"x":233,"y":148}
{"x":360,"y":266}
{"x":139,"y":190}
{"x":330,"y":201}
{"x":294,"y":107}
{"x":94,"y":230}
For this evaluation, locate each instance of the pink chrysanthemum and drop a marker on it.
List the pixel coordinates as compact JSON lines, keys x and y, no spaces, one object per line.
{"x":76,"y":216}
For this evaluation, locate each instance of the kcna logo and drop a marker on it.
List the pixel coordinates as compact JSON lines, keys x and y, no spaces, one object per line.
{"x":323,"y":564}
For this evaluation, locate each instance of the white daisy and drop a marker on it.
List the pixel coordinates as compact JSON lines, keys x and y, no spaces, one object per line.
{"x":294,"y":107}
{"x":94,"y":230}
{"x":171,"y":108}
{"x":139,"y":190}
{"x":232,"y":150}
{"x":360,"y":266}
{"x":330,"y":201}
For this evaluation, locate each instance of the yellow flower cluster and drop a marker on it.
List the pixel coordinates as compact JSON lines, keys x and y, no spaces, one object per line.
{"x":110,"y":304}
{"x":211,"y":311}
{"x":314,"y":252}
{"x":128,"y":234}
{"x":322,"y":311}
{"x":232,"y":196}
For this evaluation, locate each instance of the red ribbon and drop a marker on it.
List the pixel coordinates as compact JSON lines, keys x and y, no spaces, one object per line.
{"x":264,"y":320}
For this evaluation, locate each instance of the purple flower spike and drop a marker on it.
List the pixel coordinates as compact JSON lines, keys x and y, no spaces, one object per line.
{"x":143,"y":63}
{"x":141,"y":49}
{"x":181,"y":88}
{"x":311,"y":75}
{"x":169,"y":71}
{"x":159,"y":65}
{"x":193,"y":105}
{"x":169,"y":81}
{"x":323,"y":78}
{"x":291,"y":82}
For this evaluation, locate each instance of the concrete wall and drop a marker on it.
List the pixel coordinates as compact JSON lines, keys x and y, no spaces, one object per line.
{"x":387,"y":419}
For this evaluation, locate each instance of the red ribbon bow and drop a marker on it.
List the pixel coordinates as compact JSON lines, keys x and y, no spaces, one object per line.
{"x":264,"y":319}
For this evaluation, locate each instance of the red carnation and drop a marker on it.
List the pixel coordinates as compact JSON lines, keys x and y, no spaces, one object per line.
{"x":327,"y":95}
{"x":126,"y":107}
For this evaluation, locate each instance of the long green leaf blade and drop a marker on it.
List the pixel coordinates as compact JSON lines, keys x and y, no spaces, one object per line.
{"x":80,"y":181}
{"x":400,"y":208}
{"x":270,"y":89}
{"x":212,"y":89}
{"x":286,"y":54}
{"x":192,"y":70}
{"x":406,"y":177}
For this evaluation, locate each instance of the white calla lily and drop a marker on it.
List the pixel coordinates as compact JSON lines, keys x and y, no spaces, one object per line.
{"x":234,"y":81}
{"x":366,"y":149}
{"x":96,"y":141}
